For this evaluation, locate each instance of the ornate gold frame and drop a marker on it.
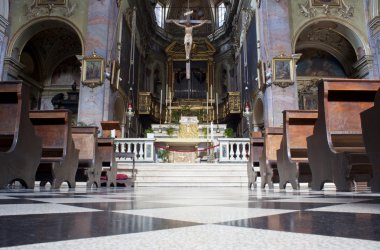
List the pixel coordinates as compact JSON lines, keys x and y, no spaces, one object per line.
{"x":261,"y":72}
{"x":92,"y":70}
{"x":283,"y":71}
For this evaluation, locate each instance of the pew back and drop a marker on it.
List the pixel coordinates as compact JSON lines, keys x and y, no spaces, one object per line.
{"x":341,"y":105}
{"x":54,"y":129}
{"x":272,"y":142}
{"x":10,"y":111}
{"x":106,"y":151}
{"x":85,"y":139}
{"x":299,"y":124}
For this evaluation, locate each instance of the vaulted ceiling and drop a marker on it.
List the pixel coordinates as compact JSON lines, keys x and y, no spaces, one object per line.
{"x":202,"y":10}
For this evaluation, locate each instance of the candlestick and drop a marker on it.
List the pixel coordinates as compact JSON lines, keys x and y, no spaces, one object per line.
{"x":210,"y":94}
{"x":166,"y":96}
{"x":170,"y":106}
{"x":207,"y":103}
{"x":160,"y":105}
{"x":217,"y":108}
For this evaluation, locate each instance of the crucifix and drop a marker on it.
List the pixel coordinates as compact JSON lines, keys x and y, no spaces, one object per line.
{"x":188,"y":40}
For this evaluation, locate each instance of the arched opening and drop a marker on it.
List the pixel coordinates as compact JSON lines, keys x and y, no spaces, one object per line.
{"x":46,"y":49}
{"x":329,"y":49}
{"x":119,"y":113}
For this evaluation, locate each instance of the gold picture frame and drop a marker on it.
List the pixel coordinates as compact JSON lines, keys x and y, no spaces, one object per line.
{"x":327,"y":2}
{"x":54,"y":2}
{"x":92,"y":70}
{"x":115,"y":74}
{"x":283,"y":71}
{"x":261,"y":71}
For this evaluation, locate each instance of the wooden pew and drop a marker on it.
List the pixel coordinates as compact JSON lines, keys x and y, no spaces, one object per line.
{"x":370,"y":120}
{"x":268,"y":159}
{"x":336,"y":149}
{"x":107,"y":159}
{"x":292,"y":161}
{"x":59,"y":160}
{"x":257,"y":145}
{"x":20,"y":148}
{"x":89,"y":165}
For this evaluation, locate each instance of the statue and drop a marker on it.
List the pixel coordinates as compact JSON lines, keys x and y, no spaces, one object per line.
{"x":188,"y":41}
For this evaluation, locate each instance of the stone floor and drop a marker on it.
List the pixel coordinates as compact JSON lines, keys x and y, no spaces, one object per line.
{"x":188,"y":218}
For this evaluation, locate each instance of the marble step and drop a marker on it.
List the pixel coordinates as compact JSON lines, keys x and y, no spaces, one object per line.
{"x":190,"y":184}
{"x":192,"y":178}
{"x":199,"y":174}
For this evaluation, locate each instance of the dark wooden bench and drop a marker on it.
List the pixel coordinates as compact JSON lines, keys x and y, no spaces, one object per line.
{"x":107,"y":159}
{"x":268,"y":159}
{"x":257,"y":145}
{"x":370,"y":120}
{"x":336,"y":149}
{"x":59,"y":160}
{"x":89,"y":165}
{"x":20,"y":148}
{"x":292,"y":161}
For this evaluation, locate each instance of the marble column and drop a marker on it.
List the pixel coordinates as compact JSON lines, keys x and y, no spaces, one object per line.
{"x":373,"y":19}
{"x":276,"y":40}
{"x":3,"y":38}
{"x":94,"y":103}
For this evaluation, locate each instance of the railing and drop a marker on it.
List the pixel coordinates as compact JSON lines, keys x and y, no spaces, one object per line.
{"x":142,"y":148}
{"x":234,"y":149}
{"x":230,"y":149}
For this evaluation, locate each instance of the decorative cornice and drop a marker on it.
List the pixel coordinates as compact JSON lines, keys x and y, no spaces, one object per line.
{"x":374,"y":25}
{"x":363,"y":66}
{"x":35,"y":9}
{"x":3,"y":23}
{"x":343,"y":9}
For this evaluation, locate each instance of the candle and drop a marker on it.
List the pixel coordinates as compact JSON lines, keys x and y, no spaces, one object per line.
{"x":212,"y":131}
{"x":207,"y":104}
{"x":217,"y":108}
{"x":211,"y":94}
{"x":170,"y":105}
{"x":113,"y":133}
{"x":166,"y":96}
{"x":160,"y":104}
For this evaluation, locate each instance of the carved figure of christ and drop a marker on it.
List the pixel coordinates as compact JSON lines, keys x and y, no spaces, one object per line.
{"x":188,"y":40}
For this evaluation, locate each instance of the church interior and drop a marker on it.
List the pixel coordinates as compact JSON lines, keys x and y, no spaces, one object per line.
{"x":190,"y":124}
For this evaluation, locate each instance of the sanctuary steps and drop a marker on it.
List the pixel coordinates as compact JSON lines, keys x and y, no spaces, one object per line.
{"x":188,"y":174}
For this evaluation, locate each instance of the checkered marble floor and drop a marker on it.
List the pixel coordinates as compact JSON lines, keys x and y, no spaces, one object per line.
{"x":188,"y":218}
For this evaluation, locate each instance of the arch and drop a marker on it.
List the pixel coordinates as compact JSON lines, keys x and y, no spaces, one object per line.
{"x":258,"y":110}
{"x":345,"y":29}
{"x":26,"y":32}
{"x":119,"y":109}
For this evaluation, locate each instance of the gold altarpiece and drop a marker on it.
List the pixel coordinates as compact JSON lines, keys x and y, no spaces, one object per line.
{"x":202,"y":50}
{"x":204,"y":108}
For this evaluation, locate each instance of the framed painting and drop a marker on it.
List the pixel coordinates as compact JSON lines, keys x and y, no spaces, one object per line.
{"x":47,"y":2}
{"x":327,"y":2}
{"x":310,"y":102}
{"x":115,"y":74}
{"x":92,"y":70}
{"x":282,"y":68}
{"x":261,"y":71}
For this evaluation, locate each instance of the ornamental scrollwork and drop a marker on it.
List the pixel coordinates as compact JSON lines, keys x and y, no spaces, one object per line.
{"x":310,"y":9}
{"x":46,"y":8}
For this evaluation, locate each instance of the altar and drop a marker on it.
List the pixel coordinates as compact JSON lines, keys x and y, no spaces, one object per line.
{"x":189,"y":141}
